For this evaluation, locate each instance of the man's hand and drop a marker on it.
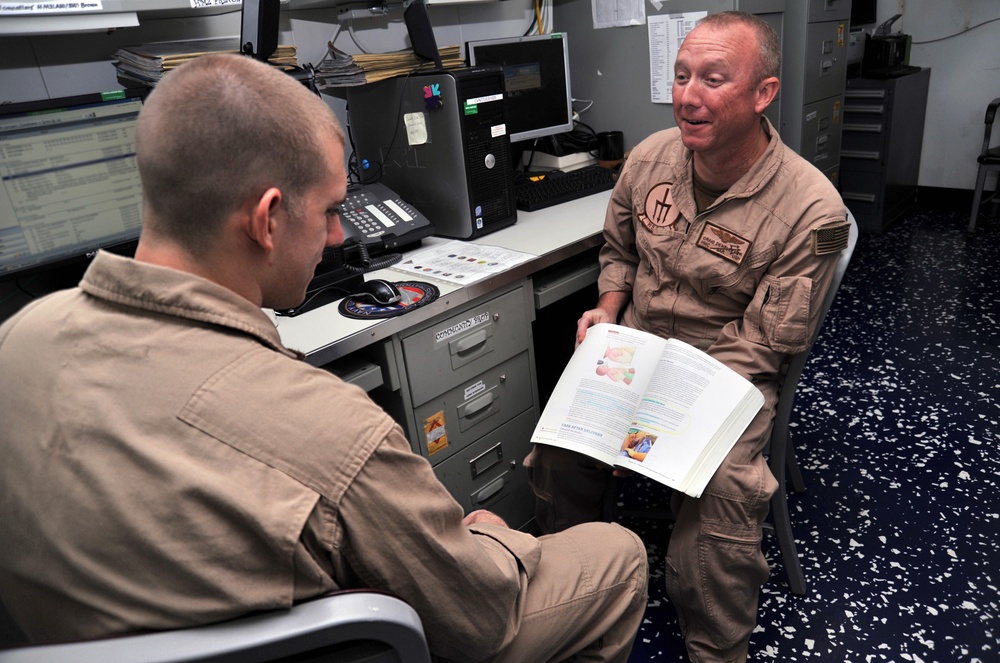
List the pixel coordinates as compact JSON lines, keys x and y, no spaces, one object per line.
{"x":588,"y":320}
{"x":484,"y":516}
{"x":606,"y":310}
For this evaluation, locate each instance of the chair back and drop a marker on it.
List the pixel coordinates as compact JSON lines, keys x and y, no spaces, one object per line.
{"x":786,"y":397}
{"x":991,"y":113}
{"x":348,"y":626}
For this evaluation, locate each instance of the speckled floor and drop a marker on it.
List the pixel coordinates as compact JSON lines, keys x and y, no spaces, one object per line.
{"x":897,"y":428}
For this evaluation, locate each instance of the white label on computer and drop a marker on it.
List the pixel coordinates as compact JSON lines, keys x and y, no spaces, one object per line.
{"x":400,"y":212}
{"x":416,"y":128}
{"x":498,"y":130}
{"x":482,"y":100}
{"x":380,"y":215}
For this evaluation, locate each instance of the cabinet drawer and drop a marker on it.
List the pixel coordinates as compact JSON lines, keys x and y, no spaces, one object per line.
{"x":452,"y":421}
{"x":861,"y":190}
{"x":489,"y":473}
{"x":455,"y":350}
{"x":866,"y":146}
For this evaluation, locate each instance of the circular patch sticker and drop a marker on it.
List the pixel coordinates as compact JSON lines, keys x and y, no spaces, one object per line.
{"x":414,"y":295}
{"x":659,"y":210}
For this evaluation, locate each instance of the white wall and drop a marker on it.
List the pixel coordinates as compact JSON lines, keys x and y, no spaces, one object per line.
{"x":965,"y":77}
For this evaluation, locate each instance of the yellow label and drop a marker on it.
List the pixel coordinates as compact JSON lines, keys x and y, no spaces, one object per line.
{"x":435,"y":433}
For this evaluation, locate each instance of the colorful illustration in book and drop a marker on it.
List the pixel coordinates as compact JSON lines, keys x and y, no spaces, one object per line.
{"x":623,"y":374}
{"x":637,"y":444}
{"x":621,"y":354}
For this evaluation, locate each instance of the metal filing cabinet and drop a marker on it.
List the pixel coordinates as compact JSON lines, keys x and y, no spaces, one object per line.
{"x":463,"y":388}
{"x":880,"y":156}
{"x":814,"y":49}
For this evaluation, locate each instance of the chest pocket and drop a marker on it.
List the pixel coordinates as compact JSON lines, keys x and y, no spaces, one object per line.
{"x":723,"y":277}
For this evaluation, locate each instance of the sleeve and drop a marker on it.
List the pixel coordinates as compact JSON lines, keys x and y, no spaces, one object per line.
{"x":782,"y":318}
{"x":403,"y":533}
{"x":619,"y":258}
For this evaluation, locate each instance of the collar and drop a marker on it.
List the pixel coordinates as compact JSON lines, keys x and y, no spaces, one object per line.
{"x":166,"y":291}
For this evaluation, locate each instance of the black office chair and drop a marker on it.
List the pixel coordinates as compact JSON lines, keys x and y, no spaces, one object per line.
{"x":780,"y":450}
{"x":359,"y":626}
{"x":989,"y":161}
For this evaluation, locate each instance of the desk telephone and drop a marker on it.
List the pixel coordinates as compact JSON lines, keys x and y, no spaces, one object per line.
{"x":376,"y":223}
{"x":375,"y":217}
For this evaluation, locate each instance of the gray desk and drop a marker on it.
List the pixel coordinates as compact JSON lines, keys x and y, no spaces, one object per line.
{"x":468,"y":399}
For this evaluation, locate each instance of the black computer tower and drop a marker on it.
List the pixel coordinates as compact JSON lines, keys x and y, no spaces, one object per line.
{"x":439,"y":139}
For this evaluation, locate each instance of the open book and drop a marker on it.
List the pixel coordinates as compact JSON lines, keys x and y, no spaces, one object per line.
{"x":658,"y":407}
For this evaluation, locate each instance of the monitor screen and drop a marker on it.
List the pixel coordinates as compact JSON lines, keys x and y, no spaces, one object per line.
{"x":863,"y":12}
{"x":536,"y":77}
{"x":70,"y":184}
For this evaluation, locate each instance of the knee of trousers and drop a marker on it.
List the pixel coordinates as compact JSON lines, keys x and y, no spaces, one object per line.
{"x":569,"y":488}
{"x":715,"y":567}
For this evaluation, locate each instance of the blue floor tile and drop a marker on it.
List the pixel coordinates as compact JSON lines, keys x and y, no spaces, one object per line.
{"x":897,"y":430}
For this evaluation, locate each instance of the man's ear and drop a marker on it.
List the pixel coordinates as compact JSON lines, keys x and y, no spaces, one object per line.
{"x":263,"y":222}
{"x":767,"y":90}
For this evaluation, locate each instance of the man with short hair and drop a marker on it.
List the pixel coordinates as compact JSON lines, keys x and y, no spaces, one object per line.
{"x":710,"y":238}
{"x":167,"y":462}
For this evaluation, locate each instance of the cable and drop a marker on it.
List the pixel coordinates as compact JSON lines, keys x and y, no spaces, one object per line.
{"x":958,"y":34}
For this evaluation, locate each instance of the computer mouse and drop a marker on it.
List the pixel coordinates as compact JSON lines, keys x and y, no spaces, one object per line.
{"x":379,"y":291}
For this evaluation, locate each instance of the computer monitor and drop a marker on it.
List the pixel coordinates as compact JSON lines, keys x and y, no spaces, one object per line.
{"x":863,"y":12}
{"x":70,"y":184}
{"x":536,"y":77}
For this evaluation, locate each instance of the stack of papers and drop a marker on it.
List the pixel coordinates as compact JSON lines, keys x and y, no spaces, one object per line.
{"x":147,"y":63}
{"x":338,"y":69}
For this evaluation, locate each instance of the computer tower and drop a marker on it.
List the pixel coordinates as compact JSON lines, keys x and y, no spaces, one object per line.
{"x":439,"y":139}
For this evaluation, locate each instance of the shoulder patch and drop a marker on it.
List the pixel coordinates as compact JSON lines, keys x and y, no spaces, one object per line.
{"x":830,"y":237}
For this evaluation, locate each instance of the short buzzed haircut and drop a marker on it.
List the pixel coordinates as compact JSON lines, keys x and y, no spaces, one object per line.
{"x":769,"y":56}
{"x":219,"y":131}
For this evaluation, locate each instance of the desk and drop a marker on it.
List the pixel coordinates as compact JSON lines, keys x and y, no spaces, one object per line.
{"x":467,"y":401}
{"x":554,"y":235}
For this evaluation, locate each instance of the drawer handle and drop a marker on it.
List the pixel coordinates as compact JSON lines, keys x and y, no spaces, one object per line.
{"x":872,"y":155}
{"x":866,"y":128}
{"x":470,"y":342}
{"x":476,"y":406}
{"x":861,"y":197}
{"x":488,"y":491}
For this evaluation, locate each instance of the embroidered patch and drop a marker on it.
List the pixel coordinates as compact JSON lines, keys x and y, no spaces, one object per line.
{"x":659,"y":210}
{"x":720,"y":241}
{"x":830,"y":237}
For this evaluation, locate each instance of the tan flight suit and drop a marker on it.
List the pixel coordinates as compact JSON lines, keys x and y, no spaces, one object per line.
{"x":167,"y":463}
{"x":741,"y":281}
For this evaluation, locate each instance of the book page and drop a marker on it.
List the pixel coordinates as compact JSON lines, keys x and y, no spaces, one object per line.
{"x":690,"y":400}
{"x":596,"y":397}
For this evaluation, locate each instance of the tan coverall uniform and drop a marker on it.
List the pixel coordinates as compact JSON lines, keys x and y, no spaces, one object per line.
{"x":742,"y":281}
{"x":167,"y":463}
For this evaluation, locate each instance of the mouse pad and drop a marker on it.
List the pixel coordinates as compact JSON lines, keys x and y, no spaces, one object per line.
{"x":414,"y":295}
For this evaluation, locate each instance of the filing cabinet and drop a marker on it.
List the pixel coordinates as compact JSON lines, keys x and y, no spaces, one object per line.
{"x":814,"y":70}
{"x":463,"y":388}
{"x":881,"y":145}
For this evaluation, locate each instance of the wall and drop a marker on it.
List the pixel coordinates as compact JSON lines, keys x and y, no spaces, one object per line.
{"x":965,"y":77}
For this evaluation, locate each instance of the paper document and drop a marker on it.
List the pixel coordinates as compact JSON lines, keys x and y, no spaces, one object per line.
{"x":460,"y":262}
{"x":666,"y":32}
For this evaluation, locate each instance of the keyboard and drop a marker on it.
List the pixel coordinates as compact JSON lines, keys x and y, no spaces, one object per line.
{"x":560,"y":187}
{"x":894,"y":71}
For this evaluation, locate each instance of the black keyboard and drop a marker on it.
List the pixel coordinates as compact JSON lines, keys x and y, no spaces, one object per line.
{"x":894,"y":71}
{"x":560,"y":187}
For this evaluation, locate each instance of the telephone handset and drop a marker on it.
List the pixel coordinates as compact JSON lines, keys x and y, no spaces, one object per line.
{"x":374,"y":216}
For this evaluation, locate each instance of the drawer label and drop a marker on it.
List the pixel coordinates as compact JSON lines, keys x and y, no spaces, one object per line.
{"x":435,"y":433}
{"x":474,"y":389}
{"x":464,"y":325}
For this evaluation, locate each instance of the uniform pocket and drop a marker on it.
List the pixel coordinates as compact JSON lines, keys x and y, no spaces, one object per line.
{"x":778,"y":315}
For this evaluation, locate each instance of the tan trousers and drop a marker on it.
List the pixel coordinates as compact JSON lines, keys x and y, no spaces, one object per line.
{"x":714,"y":566}
{"x":586,"y":599}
